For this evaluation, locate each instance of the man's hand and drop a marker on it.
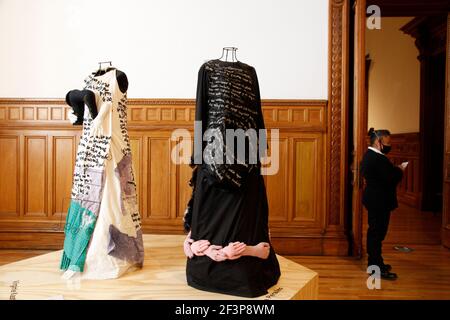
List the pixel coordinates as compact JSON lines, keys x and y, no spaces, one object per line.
{"x":403,"y":165}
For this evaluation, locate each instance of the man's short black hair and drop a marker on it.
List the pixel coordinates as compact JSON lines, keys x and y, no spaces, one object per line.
{"x":377,"y":134}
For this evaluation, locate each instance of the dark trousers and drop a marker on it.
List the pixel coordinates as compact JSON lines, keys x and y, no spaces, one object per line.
{"x":378,"y":227}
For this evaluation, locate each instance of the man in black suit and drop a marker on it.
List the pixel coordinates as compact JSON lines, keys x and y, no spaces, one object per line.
{"x":379,"y":196}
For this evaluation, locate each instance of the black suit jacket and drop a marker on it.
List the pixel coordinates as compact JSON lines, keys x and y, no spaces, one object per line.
{"x":381,"y":178}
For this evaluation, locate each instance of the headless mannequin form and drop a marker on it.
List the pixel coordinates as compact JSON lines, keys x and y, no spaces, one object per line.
{"x":122,"y":79}
{"x":233,"y":250}
{"x":78,"y":98}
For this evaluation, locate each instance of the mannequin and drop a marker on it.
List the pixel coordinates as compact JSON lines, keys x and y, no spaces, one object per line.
{"x":78,"y":98}
{"x":228,"y":242}
{"x":233,"y":250}
{"x":103,"y":235}
{"x":122,"y":79}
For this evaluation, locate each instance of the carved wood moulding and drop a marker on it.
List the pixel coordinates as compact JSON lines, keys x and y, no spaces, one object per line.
{"x":337,"y":107}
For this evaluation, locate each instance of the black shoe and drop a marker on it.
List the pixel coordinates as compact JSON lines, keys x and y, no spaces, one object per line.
{"x":386,"y":275}
{"x":386,"y":267}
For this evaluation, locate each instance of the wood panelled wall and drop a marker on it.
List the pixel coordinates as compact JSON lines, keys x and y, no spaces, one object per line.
{"x":38,"y":147}
{"x":307,"y":198}
{"x":406,"y":147}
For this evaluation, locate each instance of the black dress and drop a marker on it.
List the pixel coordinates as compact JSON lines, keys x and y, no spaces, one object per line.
{"x":229,"y":201}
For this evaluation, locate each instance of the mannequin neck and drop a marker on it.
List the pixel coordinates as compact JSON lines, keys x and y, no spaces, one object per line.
{"x":101,"y":72}
{"x":229,"y":55}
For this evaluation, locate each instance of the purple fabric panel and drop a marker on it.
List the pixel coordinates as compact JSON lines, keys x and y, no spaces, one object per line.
{"x":124,"y":172}
{"x":124,"y":247}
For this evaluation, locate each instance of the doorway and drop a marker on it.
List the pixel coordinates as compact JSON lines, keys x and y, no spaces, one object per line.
{"x":410,"y":104}
{"x":399,"y":84}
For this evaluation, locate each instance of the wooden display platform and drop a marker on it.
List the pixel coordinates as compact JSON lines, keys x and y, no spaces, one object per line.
{"x":162,"y":277}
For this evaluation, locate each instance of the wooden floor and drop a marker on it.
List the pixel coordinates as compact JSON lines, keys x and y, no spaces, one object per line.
{"x":423,"y":273}
{"x":411,"y":226}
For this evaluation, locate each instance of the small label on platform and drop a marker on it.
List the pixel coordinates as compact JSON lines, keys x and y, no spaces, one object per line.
{"x":14,"y":292}
{"x":274,"y":293}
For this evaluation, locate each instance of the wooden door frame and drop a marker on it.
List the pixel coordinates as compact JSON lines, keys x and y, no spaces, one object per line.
{"x":360,"y":110}
{"x":445,"y":234}
{"x":335,"y":228}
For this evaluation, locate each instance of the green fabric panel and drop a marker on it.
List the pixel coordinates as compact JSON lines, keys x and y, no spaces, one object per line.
{"x":80,"y":224}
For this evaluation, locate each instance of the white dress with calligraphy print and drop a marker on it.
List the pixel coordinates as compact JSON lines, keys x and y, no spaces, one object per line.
{"x":103,"y":226}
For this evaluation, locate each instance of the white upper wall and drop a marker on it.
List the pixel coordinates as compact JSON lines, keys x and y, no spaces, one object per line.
{"x":49,"y":46}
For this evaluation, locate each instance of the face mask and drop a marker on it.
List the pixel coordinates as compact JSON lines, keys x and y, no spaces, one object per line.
{"x":385,"y":148}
